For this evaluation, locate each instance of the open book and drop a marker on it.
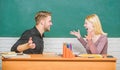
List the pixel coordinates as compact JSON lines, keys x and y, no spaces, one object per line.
{"x":90,"y":55}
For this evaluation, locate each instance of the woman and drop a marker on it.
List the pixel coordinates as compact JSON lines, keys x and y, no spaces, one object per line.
{"x":96,"y":40}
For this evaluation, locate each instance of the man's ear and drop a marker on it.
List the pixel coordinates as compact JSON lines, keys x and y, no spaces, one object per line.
{"x":42,"y":22}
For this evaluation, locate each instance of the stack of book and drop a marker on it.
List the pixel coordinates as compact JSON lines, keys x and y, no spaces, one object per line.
{"x":14,"y":55}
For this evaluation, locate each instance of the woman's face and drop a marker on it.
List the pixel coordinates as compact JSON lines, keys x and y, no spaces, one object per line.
{"x":89,"y":26}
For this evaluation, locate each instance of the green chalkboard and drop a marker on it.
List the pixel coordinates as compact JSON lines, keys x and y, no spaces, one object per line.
{"x":18,"y":15}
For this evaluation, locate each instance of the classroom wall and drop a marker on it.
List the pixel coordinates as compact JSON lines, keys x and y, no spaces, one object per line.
{"x":18,"y":15}
{"x":54,"y":45}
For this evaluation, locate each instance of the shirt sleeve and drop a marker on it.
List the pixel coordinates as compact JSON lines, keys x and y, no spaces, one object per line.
{"x":99,"y":48}
{"x":84,"y":43}
{"x":23,"y":39}
{"x":91,"y":48}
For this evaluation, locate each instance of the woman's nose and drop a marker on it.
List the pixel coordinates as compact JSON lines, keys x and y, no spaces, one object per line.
{"x":51,"y":23}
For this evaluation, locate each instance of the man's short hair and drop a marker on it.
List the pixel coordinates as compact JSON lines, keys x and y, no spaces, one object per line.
{"x":41,"y":15}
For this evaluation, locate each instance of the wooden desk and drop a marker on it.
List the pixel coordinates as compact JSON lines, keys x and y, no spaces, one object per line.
{"x":50,"y":62}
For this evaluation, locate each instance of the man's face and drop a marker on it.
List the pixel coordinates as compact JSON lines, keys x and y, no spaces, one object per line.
{"x":47,"y":23}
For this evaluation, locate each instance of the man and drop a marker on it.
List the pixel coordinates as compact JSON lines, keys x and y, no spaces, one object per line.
{"x":31,"y":41}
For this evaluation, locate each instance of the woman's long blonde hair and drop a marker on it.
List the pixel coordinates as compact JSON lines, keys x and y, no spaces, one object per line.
{"x":94,"y":19}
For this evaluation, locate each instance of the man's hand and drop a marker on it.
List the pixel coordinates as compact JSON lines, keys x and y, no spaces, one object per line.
{"x":31,"y":44}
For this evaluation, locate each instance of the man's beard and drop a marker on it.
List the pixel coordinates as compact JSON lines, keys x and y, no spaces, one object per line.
{"x":47,"y":29}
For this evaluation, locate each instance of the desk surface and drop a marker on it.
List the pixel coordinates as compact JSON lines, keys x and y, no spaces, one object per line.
{"x":55,"y":62}
{"x":56,"y":57}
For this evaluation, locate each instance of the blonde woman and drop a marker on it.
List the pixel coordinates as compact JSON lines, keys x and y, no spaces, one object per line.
{"x":96,"y":40}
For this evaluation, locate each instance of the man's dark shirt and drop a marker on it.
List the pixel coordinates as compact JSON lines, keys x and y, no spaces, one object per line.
{"x":36,"y":38}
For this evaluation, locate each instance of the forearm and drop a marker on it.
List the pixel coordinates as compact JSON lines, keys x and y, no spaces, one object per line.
{"x":83,"y":42}
{"x":92,"y":47}
{"x":22,"y":47}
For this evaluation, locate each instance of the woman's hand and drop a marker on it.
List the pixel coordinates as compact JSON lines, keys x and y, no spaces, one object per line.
{"x":89,"y":35}
{"x":75,"y":33}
